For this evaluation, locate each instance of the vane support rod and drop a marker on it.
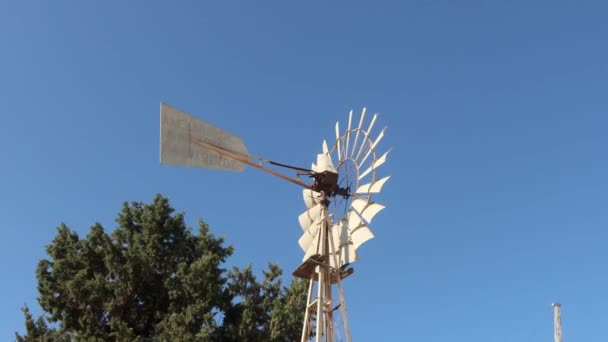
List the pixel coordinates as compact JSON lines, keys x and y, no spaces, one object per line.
{"x":246,"y":159}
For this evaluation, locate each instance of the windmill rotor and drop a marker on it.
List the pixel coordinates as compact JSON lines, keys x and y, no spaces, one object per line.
{"x":350,"y":205}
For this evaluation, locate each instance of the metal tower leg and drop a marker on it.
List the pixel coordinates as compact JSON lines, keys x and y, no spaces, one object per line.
{"x":319,"y":313}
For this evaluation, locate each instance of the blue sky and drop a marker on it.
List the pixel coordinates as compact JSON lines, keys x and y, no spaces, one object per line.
{"x":497,"y":115}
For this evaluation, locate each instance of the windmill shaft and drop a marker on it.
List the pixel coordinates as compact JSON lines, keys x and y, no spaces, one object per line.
{"x":290,"y":167}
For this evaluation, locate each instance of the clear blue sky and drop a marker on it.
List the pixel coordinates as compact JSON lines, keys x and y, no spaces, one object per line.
{"x":497,"y":115}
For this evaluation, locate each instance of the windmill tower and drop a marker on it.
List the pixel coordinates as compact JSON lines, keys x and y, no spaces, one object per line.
{"x":338,"y":200}
{"x":336,"y":224}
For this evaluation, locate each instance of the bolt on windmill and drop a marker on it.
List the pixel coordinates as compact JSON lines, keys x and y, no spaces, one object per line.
{"x":337,"y":191}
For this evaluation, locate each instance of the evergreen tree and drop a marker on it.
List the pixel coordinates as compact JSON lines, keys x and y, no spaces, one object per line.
{"x":153,"y":279}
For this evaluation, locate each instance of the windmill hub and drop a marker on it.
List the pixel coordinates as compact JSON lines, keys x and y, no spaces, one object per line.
{"x":327,"y":182}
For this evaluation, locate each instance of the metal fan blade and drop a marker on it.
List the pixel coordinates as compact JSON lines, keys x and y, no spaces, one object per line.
{"x":366,"y":210}
{"x":311,"y":198}
{"x":369,"y":130}
{"x":373,"y":187}
{"x":360,"y":235}
{"x":358,"y":131}
{"x":338,"y":140}
{"x":348,"y":254}
{"x":371,"y":124}
{"x":309,"y":216}
{"x":313,"y":248}
{"x":375,"y":165}
{"x":350,"y":119}
{"x":304,"y":241}
{"x":309,"y":235}
{"x":338,"y":236}
{"x":373,"y":146}
{"x":354,"y":219}
{"x":177,"y":129}
{"x":324,"y":163}
{"x":341,"y":249}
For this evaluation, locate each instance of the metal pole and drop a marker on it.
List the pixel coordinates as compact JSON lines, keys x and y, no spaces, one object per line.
{"x":321,"y":322}
{"x":334,"y":253}
{"x":557,"y":322}
{"x":306,"y":324}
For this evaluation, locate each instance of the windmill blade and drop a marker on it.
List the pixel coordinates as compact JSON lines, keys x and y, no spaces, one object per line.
{"x":311,"y":198}
{"x":354,"y":219}
{"x":348,"y":254}
{"x":369,"y":130}
{"x":309,"y":241}
{"x":350,"y":119}
{"x":362,"y":216}
{"x":338,"y":140}
{"x":324,"y":147}
{"x":339,"y":234}
{"x":361,"y":235}
{"x":309,"y":216}
{"x":313,"y":248}
{"x":335,"y":233}
{"x":309,"y":235}
{"x":373,"y":146}
{"x":324,"y":163}
{"x":177,"y":129}
{"x":375,"y":165}
{"x":305,"y":241}
{"x":366,"y":211}
{"x":358,"y":131}
{"x":373,"y":187}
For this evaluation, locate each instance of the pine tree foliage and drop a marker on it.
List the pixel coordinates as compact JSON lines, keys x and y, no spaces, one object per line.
{"x":153,"y":279}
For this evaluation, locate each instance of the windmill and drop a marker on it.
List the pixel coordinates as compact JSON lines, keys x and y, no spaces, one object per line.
{"x":338,"y":199}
